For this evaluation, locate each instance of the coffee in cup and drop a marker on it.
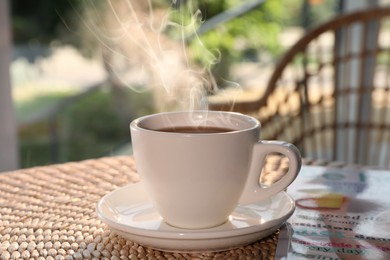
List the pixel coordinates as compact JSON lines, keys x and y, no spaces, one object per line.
{"x":198,"y":166}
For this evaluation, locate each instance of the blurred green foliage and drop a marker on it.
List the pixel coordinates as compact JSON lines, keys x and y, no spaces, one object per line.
{"x":38,"y":105}
{"x":257,"y":30}
{"x":89,"y":127}
{"x":246,"y":37}
{"x":42,"y":21}
{"x":253,"y":35}
{"x":92,"y":127}
{"x":241,"y":38}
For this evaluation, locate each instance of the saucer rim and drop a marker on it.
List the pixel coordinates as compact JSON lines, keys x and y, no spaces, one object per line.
{"x":197,"y":234}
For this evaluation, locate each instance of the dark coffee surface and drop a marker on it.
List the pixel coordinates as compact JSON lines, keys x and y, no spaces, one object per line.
{"x":196,"y":130}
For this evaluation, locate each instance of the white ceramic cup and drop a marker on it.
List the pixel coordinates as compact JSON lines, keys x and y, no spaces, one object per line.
{"x":196,"y":180}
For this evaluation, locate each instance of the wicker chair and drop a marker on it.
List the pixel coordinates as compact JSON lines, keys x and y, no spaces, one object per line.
{"x":330,"y":93}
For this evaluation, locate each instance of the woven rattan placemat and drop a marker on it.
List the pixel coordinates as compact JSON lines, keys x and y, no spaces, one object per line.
{"x":49,"y":213}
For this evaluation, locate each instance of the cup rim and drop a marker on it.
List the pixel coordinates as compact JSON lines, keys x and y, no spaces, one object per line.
{"x":252,"y":123}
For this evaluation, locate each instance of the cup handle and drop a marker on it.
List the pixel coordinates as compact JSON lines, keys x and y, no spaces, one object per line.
{"x":253,"y":191}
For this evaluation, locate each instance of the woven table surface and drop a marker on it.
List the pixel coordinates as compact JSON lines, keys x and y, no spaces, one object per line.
{"x":49,"y":213}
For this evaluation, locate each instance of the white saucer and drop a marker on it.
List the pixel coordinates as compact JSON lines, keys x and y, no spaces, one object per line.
{"x":129,"y":212}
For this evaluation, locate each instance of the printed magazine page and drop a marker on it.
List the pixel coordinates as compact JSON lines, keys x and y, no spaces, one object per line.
{"x":340,"y":214}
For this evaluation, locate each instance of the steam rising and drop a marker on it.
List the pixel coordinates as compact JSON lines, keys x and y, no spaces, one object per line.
{"x":138,"y":53}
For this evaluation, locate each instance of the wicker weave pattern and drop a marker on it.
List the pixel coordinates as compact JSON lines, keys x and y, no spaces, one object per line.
{"x":49,"y":213}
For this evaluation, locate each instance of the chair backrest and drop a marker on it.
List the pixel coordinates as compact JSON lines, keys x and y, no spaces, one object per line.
{"x":330,"y":92}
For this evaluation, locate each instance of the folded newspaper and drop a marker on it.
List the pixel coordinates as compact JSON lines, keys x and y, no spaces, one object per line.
{"x":340,"y":214}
